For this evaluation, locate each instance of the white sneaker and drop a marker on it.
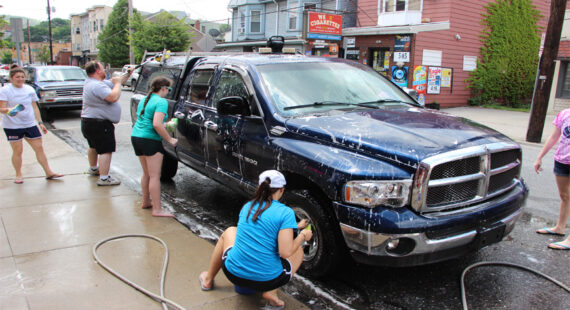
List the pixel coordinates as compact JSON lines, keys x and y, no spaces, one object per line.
{"x":108,"y":182}
{"x":92,"y":172}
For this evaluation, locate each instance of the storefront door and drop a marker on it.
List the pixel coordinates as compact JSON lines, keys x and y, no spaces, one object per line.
{"x":379,"y":59}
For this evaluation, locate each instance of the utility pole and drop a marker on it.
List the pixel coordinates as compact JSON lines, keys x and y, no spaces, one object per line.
{"x":131,"y":56}
{"x":49,"y":26}
{"x":546,"y":71}
{"x":29,"y":44}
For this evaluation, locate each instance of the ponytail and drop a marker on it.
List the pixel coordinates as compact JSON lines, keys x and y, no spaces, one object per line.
{"x":155,"y":86}
{"x":263,"y":197}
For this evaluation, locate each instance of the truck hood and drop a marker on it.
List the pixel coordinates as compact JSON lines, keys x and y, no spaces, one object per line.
{"x":406,"y":135}
{"x":66,"y":84}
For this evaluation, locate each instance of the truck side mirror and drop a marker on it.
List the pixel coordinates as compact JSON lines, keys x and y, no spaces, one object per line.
{"x":234,"y":105}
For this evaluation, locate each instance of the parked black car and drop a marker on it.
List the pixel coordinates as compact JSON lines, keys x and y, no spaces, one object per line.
{"x":379,"y":176}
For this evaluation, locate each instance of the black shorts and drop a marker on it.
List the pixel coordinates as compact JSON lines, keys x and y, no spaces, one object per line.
{"x":100,"y":134}
{"x":146,"y":147}
{"x":260,"y":286}
{"x":561,"y":170}
{"x":21,"y":133}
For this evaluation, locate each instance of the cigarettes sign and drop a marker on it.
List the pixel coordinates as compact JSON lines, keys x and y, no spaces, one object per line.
{"x":325,"y":23}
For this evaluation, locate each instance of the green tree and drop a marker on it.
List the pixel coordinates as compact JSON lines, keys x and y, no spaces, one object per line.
{"x":43,"y":53}
{"x":3,"y":24}
{"x":225,"y":28}
{"x":509,"y":55}
{"x":165,"y":31}
{"x":114,"y":39}
{"x":60,"y":31}
{"x":6,"y":57}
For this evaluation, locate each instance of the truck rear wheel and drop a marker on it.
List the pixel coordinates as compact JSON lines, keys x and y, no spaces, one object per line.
{"x":169,"y":168}
{"x":326,"y":249}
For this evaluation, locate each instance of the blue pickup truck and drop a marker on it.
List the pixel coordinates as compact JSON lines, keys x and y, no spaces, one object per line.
{"x":379,"y":177}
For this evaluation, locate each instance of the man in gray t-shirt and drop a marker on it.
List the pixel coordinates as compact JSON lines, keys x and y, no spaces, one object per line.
{"x":100,"y":111}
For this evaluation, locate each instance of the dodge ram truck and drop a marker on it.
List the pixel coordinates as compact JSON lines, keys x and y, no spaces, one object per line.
{"x":378,"y":176}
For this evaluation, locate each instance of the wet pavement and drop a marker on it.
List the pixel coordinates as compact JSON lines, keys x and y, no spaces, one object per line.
{"x":206,"y":208}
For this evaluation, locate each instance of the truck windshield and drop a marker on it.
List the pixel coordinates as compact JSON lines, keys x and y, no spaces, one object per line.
{"x":55,"y":74}
{"x":298,"y":89}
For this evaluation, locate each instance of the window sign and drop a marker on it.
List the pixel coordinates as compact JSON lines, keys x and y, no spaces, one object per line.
{"x":401,"y":56}
{"x":434,"y":80}
{"x":400,"y":76}
{"x":402,"y":43}
{"x":431,"y":58}
{"x":419,"y":83}
{"x":446,"y":77}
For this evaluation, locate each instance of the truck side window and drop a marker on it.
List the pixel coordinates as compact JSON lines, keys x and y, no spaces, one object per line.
{"x":199,"y":86}
{"x":231,"y":84}
{"x":149,"y":73}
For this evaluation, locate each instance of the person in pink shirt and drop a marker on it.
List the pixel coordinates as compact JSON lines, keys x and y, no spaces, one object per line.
{"x":562,"y":172}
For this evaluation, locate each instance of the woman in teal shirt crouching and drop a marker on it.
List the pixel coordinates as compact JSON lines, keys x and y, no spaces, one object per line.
{"x":146,"y":138}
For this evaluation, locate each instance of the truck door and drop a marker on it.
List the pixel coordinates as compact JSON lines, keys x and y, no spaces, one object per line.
{"x":235,"y":141}
{"x":192,"y":112}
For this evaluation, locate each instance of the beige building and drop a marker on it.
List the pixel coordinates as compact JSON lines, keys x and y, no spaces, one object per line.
{"x":85,"y":30}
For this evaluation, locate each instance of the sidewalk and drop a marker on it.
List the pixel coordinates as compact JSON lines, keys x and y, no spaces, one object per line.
{"x":510,"y":123}
{"x":48,"y":229}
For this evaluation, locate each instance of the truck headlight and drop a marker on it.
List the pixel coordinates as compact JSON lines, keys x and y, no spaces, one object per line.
{"x":392,"y":193}
{"x":48,"y":94}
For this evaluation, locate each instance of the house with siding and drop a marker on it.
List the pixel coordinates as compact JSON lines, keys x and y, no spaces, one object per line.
{"x":560,"y":91}
{"x":433,"y":44}
{"x":255,"y":21}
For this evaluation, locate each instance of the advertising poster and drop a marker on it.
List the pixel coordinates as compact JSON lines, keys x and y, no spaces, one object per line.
{"x":434,"y":80}
{"x":324,"y":26}
{"x":402,"y":43}
{"x":387,"y":60}
{"x":400,"y":76}
{"x":446,"y":77}
{"x":420,"y":79}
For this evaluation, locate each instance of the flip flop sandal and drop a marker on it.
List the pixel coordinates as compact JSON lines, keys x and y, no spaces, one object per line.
{"x":269,"y":306}
{"x":546,"y":231}
{"x":202,"y":284}
{"x":16,"y":109}
{"x":54,"y":176}
{"x":559,"y":246}
{"x":19,"y":181}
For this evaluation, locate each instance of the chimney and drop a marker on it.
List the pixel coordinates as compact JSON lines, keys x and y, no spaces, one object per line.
{"x":197,"y":25}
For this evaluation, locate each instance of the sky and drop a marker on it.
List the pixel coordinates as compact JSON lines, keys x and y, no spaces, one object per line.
{"x":214,"y":10}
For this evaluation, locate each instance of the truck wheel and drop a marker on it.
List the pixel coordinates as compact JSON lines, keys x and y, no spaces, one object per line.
{"x":326,"y":249}
{"x":169,"y":168}
{"x":44,"y":115}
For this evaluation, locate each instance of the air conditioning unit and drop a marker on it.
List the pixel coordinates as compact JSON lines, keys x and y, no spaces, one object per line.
{"x":241,"y":30}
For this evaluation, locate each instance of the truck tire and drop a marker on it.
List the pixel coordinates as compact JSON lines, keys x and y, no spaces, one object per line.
{"x":44,"y":115}
{"x":326,"y":249}
{"x":169,"y":168}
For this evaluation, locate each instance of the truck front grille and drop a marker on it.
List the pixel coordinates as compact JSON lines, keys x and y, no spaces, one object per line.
{"x":458,"y":179}
{"x":69,"y":92}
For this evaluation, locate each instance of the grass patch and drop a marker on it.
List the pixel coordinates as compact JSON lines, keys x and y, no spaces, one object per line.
{"x":523,"y":108}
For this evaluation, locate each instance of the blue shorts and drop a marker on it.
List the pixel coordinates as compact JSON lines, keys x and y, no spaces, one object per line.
{"x":561,"y":170}
{"x":20,"y":133}
{"x":260,"y":286}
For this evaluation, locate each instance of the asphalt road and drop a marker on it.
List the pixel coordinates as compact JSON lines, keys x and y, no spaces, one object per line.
{"x":207,"y":208}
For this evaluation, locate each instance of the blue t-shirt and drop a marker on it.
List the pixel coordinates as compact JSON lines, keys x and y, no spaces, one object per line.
{"x":255,"y":254}
{"x":143,"y":128}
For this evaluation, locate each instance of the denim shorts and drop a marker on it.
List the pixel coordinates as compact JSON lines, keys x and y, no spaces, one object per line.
{"x":20,"y":133}
{"x":260,"y":286}
{"x":561,"y":170}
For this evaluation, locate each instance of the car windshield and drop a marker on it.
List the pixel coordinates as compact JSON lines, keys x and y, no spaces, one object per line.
{"x":55,"y":74}
{"x":298,"y":89}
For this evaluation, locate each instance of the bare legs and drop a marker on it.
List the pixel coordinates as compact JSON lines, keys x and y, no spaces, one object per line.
{"x":104,"y":161}
{"x":37,"y":146}
{"x":563,"y":184}
{"x":150,"y":183}
{"x":227,"y":239}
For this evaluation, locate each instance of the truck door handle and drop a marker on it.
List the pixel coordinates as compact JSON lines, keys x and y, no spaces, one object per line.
{"x":211,"y":125}
{"x":179,"y":115}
